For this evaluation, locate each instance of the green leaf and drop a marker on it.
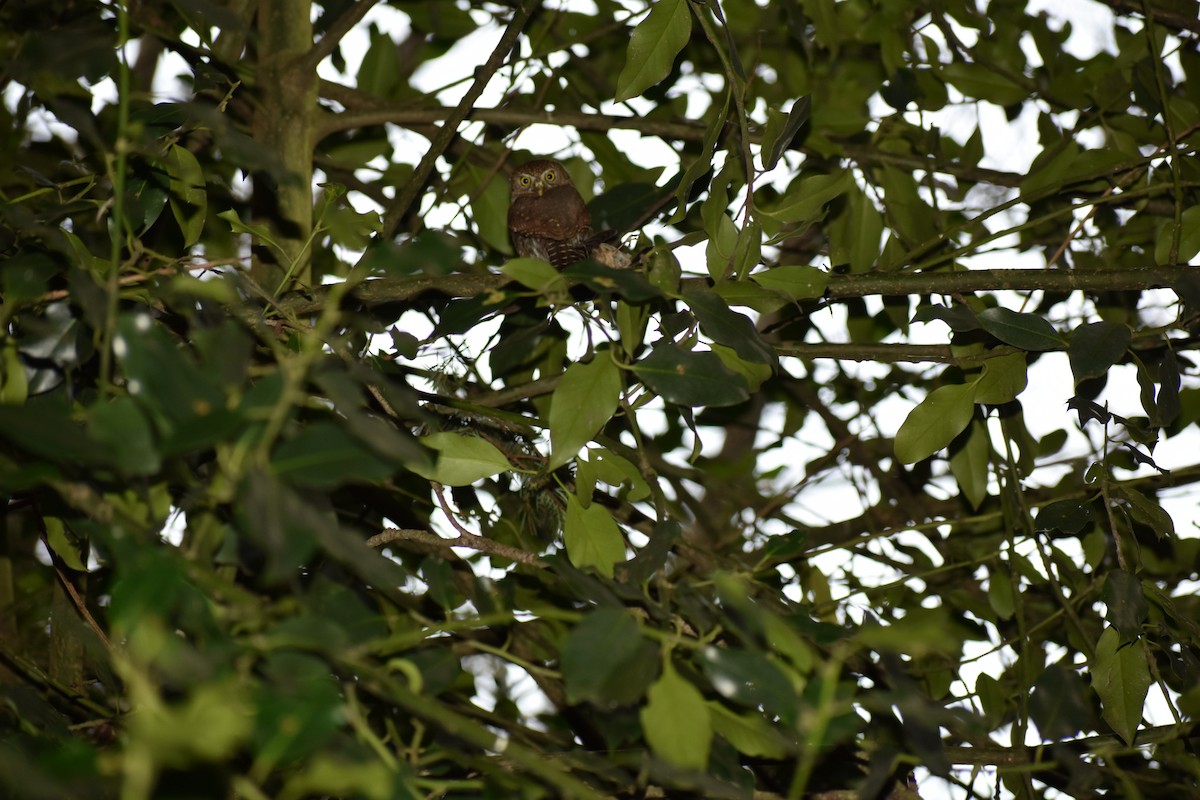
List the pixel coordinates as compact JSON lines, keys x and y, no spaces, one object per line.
{"x":676,"y":721}
{"x":604,"y":656}
{"x":45,"y":428}
{"x":592,"y":537}
{"x":489,"y":209}
{"x":1001,"y":596}
{"x":461,"y":459}
{"x":728,"y":327}
{"x":960,"y":318}
{"x":73,"y":552}
{"x":1026,"y":331}
{"x":855,"y":234}
{"x":119,"y":426}
{"x":805,"y":200}
{"x":753,"y":372}
{"x":1004,"y":377}
{"x":616,"y":471}
{"x":583,"y":402}
{"x":1126,"y":603}
{"x":782,"y":130}
{"x":1096,"y":347}
{"x":1145,"y":510}
{"x":983,"y":83}
{"x":189,"y":198}
{"x":1121,"y":679}
{"x":535,"y":274}
{"x":925,"y":631}
{"x":689,"y":378}
{"x":722,"y":247}
{"x":934,"y":423}
{"x":751,"y":679}
{"x":750,"y":295}
{"x":627,"y":283}
{"x":27,"y":276}
{"x":1189,"y":239}
{"x":184,"y":401}
{"x":749,"y":733}
{"x":222,"y":709}
{"x":1068,"y":516}
{"x":797,"y":281}
{"x":1059,"y":703}
{"x":653,"y":47}
{"x":969,"y":464}
{"x":325,"y":455}
{"x":14,"y":383}
{"x":326,"y":775}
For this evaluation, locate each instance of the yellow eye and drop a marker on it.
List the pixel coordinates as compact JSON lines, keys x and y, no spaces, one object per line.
{"x":548,"y":176}
{"x":525,"y":180}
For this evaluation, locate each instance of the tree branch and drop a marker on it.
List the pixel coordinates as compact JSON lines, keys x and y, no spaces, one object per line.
{"x":340,"y":27}
{"x":1162,"y":16}
{"x":431,"y":541}
{"x":382,"y":291}
{"x":681,"y":130}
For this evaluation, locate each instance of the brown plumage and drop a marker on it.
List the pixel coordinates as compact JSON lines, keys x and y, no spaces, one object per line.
{"x":548,"y":219}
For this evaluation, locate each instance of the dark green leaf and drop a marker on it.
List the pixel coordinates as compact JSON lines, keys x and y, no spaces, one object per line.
{"x":1121,"y":678}
{"x":627,"y":283}
{"x":750,"y":679}
{"x":1059,"y":704}
{"x":781,"y":141}
{"x":689,"y":378}
{"x":1096,"y":347}
{"x":1026,"y":331}
{"x":728,"y":327}
{"x":598,"y":654}
{"x":325,"y":455}
{"x":1068,"y":516}
{"x":1126,"y":603}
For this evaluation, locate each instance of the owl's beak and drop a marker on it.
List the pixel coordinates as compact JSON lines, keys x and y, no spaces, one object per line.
{"x":540,"y":185}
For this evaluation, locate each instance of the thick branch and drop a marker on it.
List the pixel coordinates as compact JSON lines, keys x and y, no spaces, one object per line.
{"x":383,"y":291}
{"x":682,"y":130}
{"x":1163,"y":16}
{"x":1017,"y":280}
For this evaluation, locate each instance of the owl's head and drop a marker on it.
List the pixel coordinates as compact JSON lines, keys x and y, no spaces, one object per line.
{"x":538,"y":176}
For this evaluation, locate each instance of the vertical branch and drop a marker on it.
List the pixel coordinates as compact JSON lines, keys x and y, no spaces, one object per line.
{"x":117,"y":169}
{"x":284,"y":123}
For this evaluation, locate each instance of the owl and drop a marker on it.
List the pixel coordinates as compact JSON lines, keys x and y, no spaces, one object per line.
{"x":548,"y":219}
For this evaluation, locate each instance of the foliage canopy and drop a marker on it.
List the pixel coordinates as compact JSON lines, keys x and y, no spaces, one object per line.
{"x":859,"y":476}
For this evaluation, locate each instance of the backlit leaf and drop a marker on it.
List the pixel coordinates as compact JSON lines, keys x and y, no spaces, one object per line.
{"x":934,"y":423}
{"x":1121,"y":678}
{"x":676,"y":721}
{"x":583,"y":402}
{"x":653,"y":47}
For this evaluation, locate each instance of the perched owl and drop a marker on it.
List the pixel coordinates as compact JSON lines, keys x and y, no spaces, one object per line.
{"x":548,"y":219}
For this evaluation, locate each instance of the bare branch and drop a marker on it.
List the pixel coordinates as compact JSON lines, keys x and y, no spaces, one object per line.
{"x":408,"y":193}
{"x":340,"y":27}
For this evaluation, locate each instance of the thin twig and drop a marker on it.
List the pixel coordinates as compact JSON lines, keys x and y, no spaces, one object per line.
{"x":76,"y":600}
{"x":340,"y":27}
{"x":130,"y":280}
{"x":483,"y":75}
